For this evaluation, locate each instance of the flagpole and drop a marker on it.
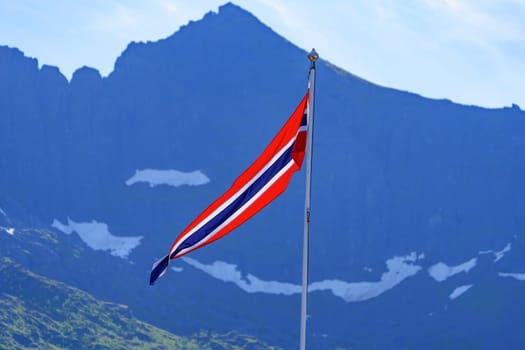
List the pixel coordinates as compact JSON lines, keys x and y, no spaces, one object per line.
{"x":312,"y":56}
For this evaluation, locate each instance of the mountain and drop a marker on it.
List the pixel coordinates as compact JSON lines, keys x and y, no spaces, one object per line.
{"x":40,"y":313}
{"x":417,"y":204}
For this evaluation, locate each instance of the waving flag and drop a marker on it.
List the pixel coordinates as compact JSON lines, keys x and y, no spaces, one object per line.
{"x":261,"y":183}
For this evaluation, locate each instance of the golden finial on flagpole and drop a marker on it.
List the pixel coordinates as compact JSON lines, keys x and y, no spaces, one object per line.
{"x":313,"y":56}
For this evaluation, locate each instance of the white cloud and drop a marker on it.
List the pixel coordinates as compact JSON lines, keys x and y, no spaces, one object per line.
{"x":441,"y":271}
{"x":398,"y":269}
{"x":459,"y":291}
{"x":169,"y":6}
{"x":478,"y":21}
{"x":282,"y":10}
{"x":174,"y":178}
{"x":97,"y":236}
{"x":3,"y":212}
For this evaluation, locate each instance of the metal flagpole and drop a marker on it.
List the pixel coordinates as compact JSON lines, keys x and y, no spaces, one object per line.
{"x":312,"y":56}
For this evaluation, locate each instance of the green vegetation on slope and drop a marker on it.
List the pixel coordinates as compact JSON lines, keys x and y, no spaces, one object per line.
{"x":39,"y":313}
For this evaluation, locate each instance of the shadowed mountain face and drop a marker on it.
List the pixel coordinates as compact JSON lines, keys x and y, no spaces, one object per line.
{"x":394,"y":174}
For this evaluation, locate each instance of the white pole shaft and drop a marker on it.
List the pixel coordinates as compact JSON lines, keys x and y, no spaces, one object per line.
{"x":309,"y":144}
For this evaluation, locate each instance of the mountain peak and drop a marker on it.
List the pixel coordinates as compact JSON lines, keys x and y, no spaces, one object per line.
{"x":231,"y":13}
{"x":231,"y":33}
{"x":10,"y":56}
{"x":231,"y":8}
{"x":86,"y":73}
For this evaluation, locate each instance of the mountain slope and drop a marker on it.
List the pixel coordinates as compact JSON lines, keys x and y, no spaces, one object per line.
{"x":37,"y":312}
{"x":402,"y":186}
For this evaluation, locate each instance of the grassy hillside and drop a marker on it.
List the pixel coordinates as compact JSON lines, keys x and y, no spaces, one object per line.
{"x":39,"y":313}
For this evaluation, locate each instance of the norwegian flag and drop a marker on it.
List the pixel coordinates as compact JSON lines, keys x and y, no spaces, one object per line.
{"x":260,"y":184}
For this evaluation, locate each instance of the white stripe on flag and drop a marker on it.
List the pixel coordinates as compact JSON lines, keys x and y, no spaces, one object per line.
{"x":241,"y":209}
{"x":235,"y":196}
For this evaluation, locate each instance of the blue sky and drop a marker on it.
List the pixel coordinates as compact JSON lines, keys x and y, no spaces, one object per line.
{"x":470,"y":51}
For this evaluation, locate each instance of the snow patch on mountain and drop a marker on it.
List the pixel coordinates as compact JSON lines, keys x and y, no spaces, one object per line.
{"x":8,"y":230}
{"x":518,"y":276}
{"x":399,"y":268}
{"x":501,"y":253}
{"x":441,"y":271}
{"x":171,"y":177}
{"x":459,"y":291}
{"x":229,"y":273}
{"x":97,"y":236}
{"x":497,"y":254}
